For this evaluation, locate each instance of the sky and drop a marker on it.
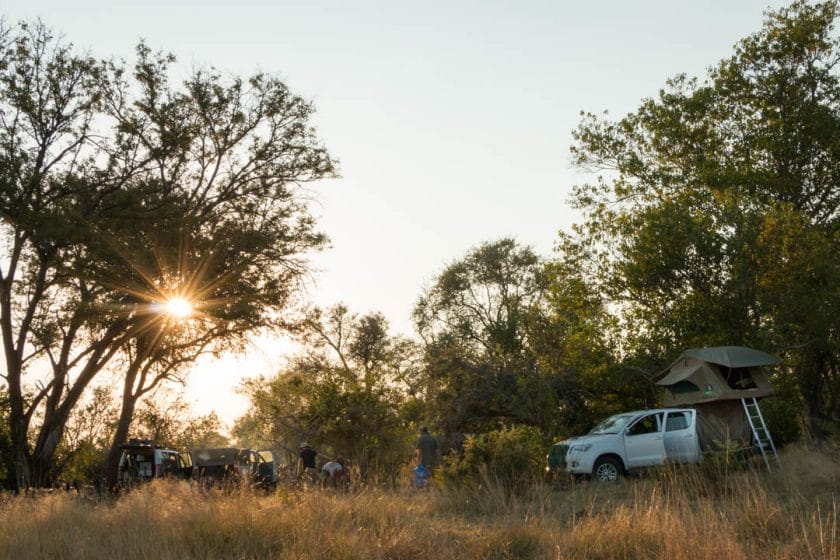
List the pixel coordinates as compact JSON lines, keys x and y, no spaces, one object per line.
{"x":451,"y":120}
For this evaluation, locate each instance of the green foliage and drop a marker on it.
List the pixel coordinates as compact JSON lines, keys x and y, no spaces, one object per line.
{"x":483,"y":299}
{"x":511,"y":339}
{"x":514,"y":455}
{"x":473,"y":320}
{"x":784,"y":411}
{"x":348,"y":392}
{"x":169,"y":422}
{"x":87,"y":437}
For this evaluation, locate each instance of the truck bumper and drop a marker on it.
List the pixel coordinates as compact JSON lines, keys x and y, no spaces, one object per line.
{"x":579,"y":464}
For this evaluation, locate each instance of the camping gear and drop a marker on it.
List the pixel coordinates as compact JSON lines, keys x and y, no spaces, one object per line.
{"x":421,"y":476}
{"x":724,"y":384}
{"x":703,"y":375}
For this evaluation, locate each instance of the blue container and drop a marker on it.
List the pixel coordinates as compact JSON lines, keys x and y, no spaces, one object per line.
{"x":421,"y":476}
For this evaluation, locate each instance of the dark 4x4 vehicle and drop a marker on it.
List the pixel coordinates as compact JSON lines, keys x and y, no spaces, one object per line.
{"x":233,"y":465}
{"x":142,"y":460}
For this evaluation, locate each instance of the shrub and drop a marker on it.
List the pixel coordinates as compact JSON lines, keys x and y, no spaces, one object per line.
{"x":784,"y":411}
{"x":510,"y":455}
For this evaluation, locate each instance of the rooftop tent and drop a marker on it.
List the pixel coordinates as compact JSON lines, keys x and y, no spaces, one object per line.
{"x":703,"y":375}
{"x":713,"y":380}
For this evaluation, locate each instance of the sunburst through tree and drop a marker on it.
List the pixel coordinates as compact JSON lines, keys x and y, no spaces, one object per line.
{"x":145,"y":191}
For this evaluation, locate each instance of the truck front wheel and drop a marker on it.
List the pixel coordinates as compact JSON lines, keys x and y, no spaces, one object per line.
{"x":607,"y":469}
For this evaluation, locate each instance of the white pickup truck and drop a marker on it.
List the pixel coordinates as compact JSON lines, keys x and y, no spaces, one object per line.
{"x":634,"y":440}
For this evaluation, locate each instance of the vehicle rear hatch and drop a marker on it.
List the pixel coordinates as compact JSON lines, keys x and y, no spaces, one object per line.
{"x":139,"y":461}
{"x":268,"y":466}
{"x":216,"y":463}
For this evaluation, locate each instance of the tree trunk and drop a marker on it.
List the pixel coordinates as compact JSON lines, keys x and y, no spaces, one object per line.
{"x":812,"y":385}
{"x":43,"y":457}
{"x":129,"y":401}
{"x":20,"y":471}
{"x":112,"y":467}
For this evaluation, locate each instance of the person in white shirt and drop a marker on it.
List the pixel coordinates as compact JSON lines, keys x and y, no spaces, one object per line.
{"x":334,"y":473}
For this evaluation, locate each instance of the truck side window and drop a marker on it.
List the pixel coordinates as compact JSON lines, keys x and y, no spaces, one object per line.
{"x":676,"y":421}
{"x":169,"y":462}
{"x":646,"y":425}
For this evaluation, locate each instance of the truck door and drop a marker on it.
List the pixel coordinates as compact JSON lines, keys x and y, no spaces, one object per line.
{"x":185,"y":464}
{"x":681,"y":444}
{"x":268,"y":467}
{"x":643,"y":441}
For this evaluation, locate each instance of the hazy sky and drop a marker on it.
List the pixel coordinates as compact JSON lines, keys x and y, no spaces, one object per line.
{"x":451,"y":120}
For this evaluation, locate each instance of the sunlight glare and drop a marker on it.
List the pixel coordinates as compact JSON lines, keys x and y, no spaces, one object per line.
{"x":179,"y":308}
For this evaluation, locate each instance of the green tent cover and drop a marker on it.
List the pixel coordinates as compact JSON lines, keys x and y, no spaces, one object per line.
{"x":731,"y":356}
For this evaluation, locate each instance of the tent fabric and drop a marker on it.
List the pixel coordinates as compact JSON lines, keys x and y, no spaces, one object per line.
{"x":732,"y":356}
{"x":721,"y":421}
{"x":713,"y":381}
{"x":716,"y":381}
{"x":680,"y":372}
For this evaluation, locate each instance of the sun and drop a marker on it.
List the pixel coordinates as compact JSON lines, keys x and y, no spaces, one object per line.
{"x":178,"y":308}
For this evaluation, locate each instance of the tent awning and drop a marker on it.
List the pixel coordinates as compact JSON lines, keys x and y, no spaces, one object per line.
{"x":679,"y":373}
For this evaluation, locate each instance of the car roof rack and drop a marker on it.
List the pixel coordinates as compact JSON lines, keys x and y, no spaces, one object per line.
{"x":138,"y":442}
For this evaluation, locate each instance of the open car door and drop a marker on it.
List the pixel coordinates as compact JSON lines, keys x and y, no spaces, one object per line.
{"x":268,"y":467}
{"x":185,"y":465}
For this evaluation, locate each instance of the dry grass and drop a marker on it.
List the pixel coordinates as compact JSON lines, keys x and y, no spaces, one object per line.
{"x":679,"y":513}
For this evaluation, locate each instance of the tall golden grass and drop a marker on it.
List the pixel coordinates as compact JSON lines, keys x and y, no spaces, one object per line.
{"x":672,"y":513}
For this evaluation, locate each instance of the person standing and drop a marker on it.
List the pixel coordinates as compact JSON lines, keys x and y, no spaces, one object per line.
{"x":306,"y":464}
{"x":427,"y":450}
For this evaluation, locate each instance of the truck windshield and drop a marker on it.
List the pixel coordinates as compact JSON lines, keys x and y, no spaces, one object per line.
{"x":613,"y":424}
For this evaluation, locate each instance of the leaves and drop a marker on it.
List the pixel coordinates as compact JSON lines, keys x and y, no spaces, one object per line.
{"x":350,"y":390}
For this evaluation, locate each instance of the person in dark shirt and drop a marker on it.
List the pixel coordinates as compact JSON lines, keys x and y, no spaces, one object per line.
{"x":427,"y":450}
{"x":307,"y":462}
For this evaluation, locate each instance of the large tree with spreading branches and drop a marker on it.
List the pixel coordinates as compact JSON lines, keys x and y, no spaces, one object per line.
{"x":121,"y":191}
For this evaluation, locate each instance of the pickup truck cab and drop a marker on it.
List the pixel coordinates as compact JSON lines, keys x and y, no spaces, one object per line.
{"x":634,"y":440}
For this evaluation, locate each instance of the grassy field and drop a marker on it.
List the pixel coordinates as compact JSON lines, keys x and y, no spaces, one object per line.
{"x":718,"y":514}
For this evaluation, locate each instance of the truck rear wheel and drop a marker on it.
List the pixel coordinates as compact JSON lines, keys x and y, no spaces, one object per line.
{"x":607,"y":469}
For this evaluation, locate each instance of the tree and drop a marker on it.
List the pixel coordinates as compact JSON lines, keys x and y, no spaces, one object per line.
{"x":168,"y":420}
{"x":576,"y":342}
{"x":484,"y":299}
{"x":474,"y":322}
{"x":119,"y":191}
{"x":714,"y":218}
{"x":349,"y":391}
{"x":513,"y":339}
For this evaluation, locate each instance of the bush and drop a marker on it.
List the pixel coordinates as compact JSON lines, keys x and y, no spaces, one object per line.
{"x":510,"y":455}
{"x":784,"y":411}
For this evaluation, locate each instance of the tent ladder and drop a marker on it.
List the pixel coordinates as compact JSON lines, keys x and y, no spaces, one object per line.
{"x":761,"y":435}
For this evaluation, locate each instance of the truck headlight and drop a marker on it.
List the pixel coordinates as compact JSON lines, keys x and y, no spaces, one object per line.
{"x":580,"y":448}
